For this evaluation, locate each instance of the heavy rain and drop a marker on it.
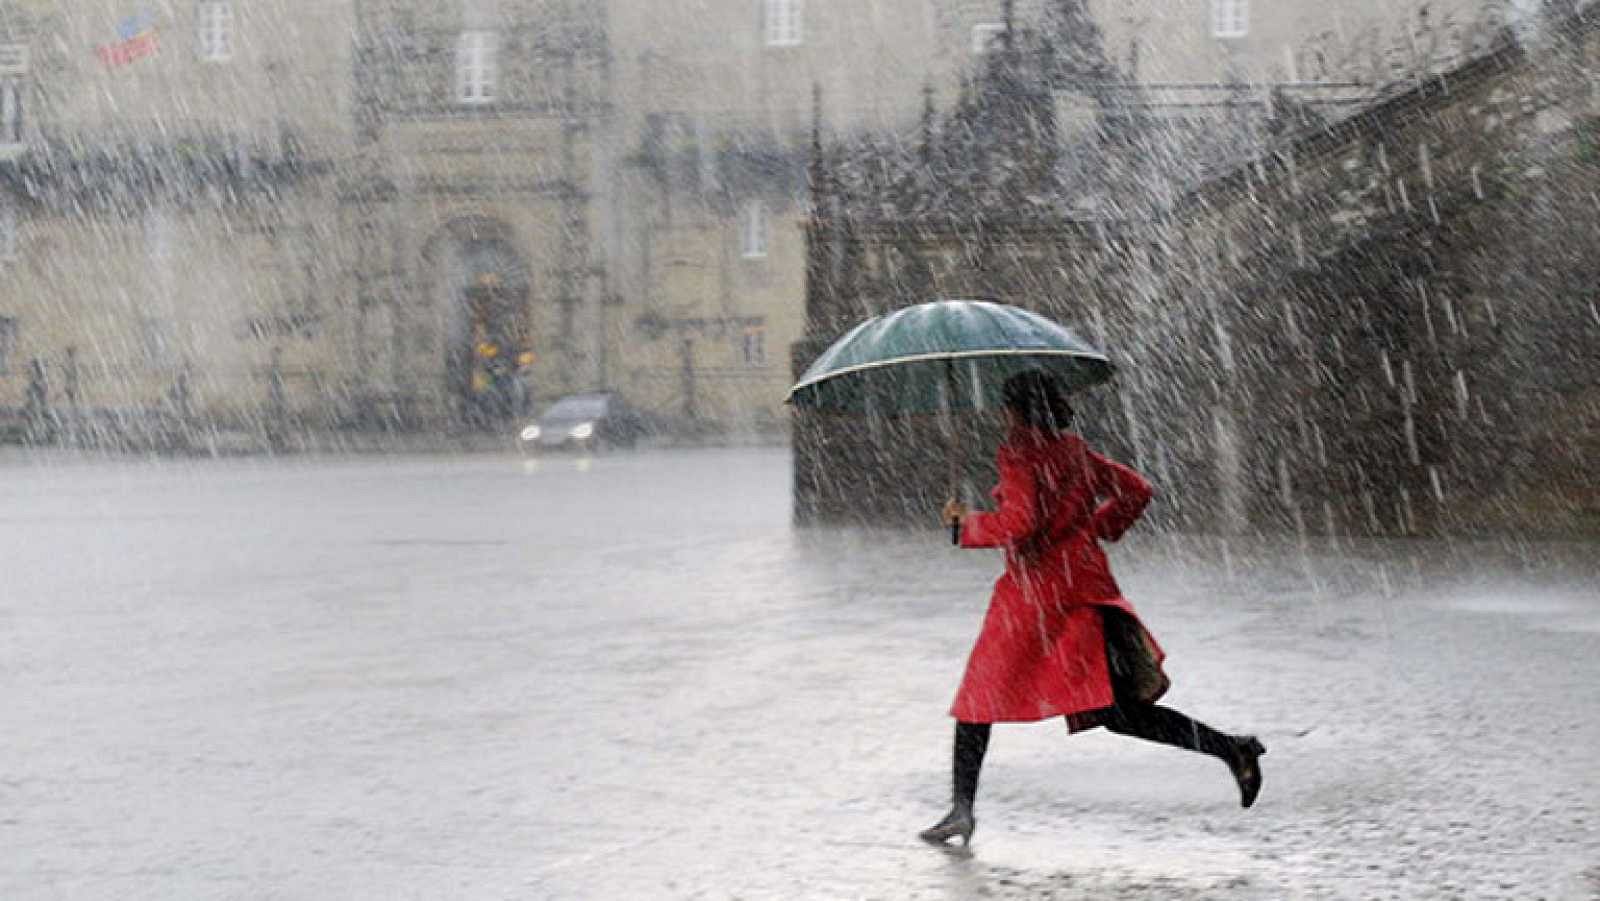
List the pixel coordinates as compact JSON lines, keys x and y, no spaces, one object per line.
{"x":608,"y":448}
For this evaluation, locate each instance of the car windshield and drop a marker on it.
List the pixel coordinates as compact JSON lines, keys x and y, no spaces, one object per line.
{"x":587,"y":407}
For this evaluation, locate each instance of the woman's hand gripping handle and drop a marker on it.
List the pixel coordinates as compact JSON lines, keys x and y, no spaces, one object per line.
{"x":953,"y":513}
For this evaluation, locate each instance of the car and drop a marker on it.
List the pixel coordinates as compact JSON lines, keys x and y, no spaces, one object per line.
{"x":586,"y":422}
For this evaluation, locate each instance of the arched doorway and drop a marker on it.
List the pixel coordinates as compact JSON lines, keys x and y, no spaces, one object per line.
{"x":482,"y":283}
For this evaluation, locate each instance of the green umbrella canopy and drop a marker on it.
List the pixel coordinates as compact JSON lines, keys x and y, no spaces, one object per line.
{"x":917,"y":359}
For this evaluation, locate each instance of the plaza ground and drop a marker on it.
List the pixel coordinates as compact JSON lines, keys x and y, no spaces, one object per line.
{"x":630,"y":677}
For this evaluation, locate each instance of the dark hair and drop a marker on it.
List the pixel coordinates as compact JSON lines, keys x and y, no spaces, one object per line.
{"x":1037,"y":399}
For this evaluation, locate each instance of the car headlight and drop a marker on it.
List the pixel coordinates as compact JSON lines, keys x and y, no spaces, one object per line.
{"x":531,"y":433}
{"x":583,"y":431}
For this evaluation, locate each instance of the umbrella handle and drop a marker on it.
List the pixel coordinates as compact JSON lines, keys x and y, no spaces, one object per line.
{"x":951,"y":451}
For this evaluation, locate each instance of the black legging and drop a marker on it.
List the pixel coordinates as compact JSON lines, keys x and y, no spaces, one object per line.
{"x":1137,"y":718}
{"x":972,"y":741}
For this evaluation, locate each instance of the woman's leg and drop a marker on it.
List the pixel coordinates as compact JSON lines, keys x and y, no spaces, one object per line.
{"x":1167,"y":726}
{"x":1130,"y":714}
{"x":1127,"y":656}
{"x":972,"y":742}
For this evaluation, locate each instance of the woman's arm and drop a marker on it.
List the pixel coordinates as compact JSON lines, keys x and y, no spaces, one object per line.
{"x":1017,"y":516}
{"x":1127,"y":493}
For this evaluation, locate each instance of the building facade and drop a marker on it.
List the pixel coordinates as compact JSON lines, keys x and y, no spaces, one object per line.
{"x":164,"y":224}
{"x":286,"y":215}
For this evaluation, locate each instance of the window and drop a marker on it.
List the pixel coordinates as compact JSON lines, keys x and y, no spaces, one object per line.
{"x":753,"y":230}
{"x":8,"y":232}
{"x":579,"y":407}
{"x":158,"y":234}
{"x":1230,"y":18}
{"x":8,"y":343}
{"x":156,"y":340}
{"x":13,"y":71}
{"x":985,"y":35}
{"x":1524,"y":17}
{"x":10,"y":111}
{"x":783,"y":23}
{"x":753,"y":346}
{"x":13,"y":59}
{"x":476,"y":66}
{"x":214,"y":30}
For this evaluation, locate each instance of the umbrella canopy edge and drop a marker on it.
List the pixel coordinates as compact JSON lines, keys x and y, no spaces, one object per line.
{"x":951,"y":355}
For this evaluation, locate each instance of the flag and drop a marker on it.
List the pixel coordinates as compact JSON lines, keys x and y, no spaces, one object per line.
{"x":136,"y":39}
{"x":135,"y":27}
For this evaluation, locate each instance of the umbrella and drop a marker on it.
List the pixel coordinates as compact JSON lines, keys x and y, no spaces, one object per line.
{"x":944,"y":356}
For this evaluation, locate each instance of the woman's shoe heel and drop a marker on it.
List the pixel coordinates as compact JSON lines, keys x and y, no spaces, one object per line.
{"x":956,"y":823}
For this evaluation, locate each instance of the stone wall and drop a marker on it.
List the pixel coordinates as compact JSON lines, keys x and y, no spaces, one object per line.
{"x":1386,"y":326}
{"x":1402,"y":338}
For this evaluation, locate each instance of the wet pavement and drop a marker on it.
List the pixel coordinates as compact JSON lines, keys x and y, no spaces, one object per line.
{"x":630,"y":677}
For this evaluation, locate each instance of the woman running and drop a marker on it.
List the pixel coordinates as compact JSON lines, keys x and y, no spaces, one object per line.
{"x":1059,"y":638}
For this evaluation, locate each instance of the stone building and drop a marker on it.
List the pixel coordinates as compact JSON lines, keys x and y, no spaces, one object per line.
{"x":1374,"y":325}
{"x":287,"y":216}
{"x":438,"y":212}
{"x":166,"y":210}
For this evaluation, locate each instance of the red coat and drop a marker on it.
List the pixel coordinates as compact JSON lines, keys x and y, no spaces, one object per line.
{"x":1042,"y":649}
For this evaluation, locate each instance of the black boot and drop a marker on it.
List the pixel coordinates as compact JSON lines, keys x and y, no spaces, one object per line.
{"x":972,"y":741}
{"x":1245,"y":762}
{"x":958,"y":821}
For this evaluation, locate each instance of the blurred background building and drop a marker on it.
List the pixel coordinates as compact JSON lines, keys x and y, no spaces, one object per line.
{"x":285,"y":217}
